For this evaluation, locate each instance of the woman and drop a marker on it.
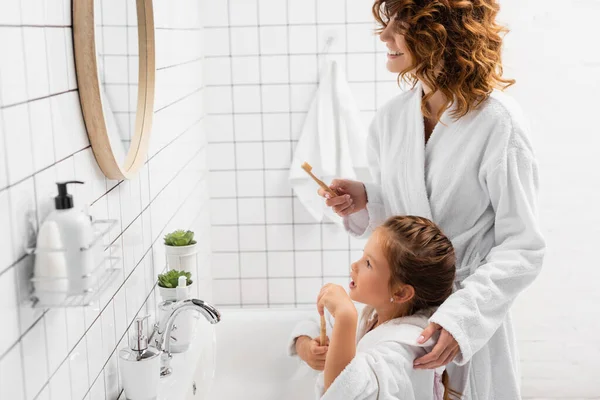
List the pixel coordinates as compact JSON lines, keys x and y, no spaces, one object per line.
{"x":456,"y":150}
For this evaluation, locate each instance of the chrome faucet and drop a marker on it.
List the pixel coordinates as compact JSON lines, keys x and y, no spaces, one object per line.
{"x":163,"y":342}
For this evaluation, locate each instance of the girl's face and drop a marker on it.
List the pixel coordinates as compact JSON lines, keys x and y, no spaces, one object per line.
{"x":398,"y":56}
{"x":370,"y":276}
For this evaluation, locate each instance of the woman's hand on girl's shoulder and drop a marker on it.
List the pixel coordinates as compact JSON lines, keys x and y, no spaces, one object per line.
{"x":352,"y":196}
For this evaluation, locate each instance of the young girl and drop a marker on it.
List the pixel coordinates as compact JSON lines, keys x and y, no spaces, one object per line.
{"x":406,"y":271}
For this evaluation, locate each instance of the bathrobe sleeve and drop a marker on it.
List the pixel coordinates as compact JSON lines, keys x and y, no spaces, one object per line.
{"x":311,"y":328}
{"x":365,"y":221}
{"x":382,"y":372}
{"x":474,"y":312}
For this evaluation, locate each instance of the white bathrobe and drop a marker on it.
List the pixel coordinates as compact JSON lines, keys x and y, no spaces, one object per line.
{"x":477,"y":179}
{"x":383,"y":365}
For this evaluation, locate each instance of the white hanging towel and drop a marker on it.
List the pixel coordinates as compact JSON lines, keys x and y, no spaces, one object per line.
{"x":332,"y":141}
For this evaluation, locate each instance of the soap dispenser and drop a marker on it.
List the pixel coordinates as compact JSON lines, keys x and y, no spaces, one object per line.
{"x":139,"y":365}
{"x":76,"y":234}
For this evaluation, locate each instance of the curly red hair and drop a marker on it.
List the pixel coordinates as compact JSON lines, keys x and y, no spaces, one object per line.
{"x":456,"y":48}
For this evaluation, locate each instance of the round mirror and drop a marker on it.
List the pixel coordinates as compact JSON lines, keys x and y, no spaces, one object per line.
{"x":114,"y":60}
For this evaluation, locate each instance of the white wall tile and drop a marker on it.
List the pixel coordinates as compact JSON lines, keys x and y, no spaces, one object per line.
{"x":274,"y":69}
{"x":307,"y":237}
{"x":6,"y":247}
{"x":249,"y":156}
{"x":273,"y":39}
{"x":251,"y":211}
{"x":95,"y":349}
{"x":250,"y":183}
{"x":60,"y":384}
{"x":277,"y":155}
{"x":13,"y":88}
{"x":272,"y":12}
{"x":222,"y":184}
{"x":361,"y":67}
{"x":303,"y":68}
{"x":37,"y":62}
{"x":23,"y":216}
{"x":56,"y":329}
{"x":279,"y":211}
{"x":280,"y":237}
{"x":243,"y":12}
{"x":57,"y":59}
{"x":219,"y":128}
{"x":11,"y":371}
{"x":225,"y":265}
{"x":35,"y":360}
{"x":253,"y":265}
{"x":216,"y":42}
{"x":281,"y":291}
{"x":362,"y":37}
{"x":246,"y":99}
{"x":245,"y":70}
{"x":244,"y":41}
{"x":276,"y":126}
{"x":10,"y":330}
{"x":41,"y":134}
{"x":337,"y":263}
{"x":303,"y":39}
{"x":275,"y":98}
{"x":55,"y":12}
{"x":248,"y":127}
{"x":226,"y":291}
{"x":10,"y":13}
{"x":217,"y":71}
{"x":18,"y":142}
{"x":302,"y":96}
{"x":221,"y":156}
{"x":359,"y":11}
{"x":307,"y":289}
{"x":331,"y":11}
{"x":277,"y":183}
{"x":223,"y":211}
{"x":308,"y":264}
{"x":301,"y":12}
{"x":254,"y":291}
{"x":336,"y":32}
{"x":334,"y":237}
{"x":78,"y":360}
{"x":281,"y":264}
{"x":252,"y":238}
{"x":224,"y":238}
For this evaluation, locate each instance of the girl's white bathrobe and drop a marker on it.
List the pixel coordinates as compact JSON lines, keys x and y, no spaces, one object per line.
{"x":477,"y":179}
{"x":383,"y":365}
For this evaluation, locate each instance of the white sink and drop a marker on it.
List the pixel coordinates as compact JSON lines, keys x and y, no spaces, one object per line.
{"x":251,"y":359}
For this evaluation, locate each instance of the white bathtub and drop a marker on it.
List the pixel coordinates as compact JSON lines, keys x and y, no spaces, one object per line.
{"x":251,"y":358}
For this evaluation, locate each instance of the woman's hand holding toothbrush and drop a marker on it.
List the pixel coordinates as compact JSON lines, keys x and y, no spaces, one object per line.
{"x":352,"y":196}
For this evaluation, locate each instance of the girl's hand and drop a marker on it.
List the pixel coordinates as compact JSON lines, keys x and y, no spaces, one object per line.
{"x":336,"y":300}
{"x":442,"y":353}
{"x":311,"y":352}
{"x":352,"y":196}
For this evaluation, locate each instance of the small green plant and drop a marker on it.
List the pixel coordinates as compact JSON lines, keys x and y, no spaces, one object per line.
{"x":170,"y":279}
{"x":180,"y":238}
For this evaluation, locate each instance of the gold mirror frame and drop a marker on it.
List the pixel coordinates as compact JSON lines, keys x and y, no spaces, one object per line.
{"x":88,"y":81}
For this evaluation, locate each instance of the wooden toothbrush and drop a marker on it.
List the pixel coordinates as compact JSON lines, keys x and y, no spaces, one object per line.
{"x":307,"y":167}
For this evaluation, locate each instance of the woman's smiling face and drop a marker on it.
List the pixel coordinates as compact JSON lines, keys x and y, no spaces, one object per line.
{"x":399,"y":58}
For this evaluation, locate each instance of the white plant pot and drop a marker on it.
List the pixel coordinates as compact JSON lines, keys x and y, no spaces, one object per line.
{"x":171,"y":293}
{"x":182,"y":258}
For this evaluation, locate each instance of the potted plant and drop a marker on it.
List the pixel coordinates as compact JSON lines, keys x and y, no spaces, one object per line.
{"x":180,"y":248}
{"x":167,"y":283}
